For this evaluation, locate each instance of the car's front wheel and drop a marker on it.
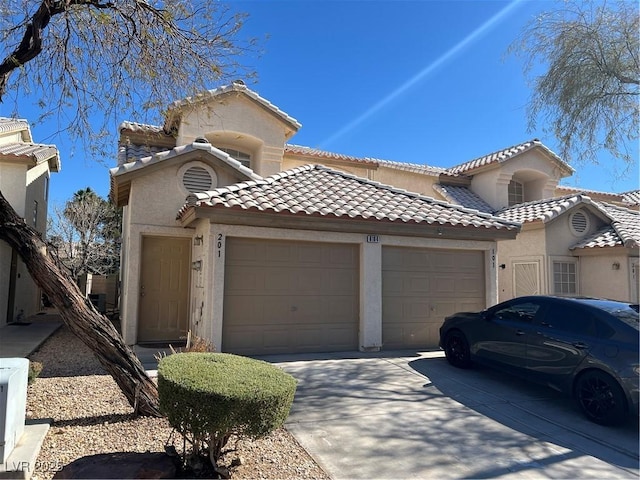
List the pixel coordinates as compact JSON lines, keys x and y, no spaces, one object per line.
{"x":456,"y":349}
{"x":601,"y":398}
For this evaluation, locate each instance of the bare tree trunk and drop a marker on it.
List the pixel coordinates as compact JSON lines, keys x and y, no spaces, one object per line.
{"x":94,"y":329}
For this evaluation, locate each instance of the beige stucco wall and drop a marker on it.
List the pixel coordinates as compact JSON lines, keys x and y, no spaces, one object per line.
{"x":412,"y":182}
{"x":528,"y":247}
{"x":13,"y":181}
{"x":559,"y":235}
{"x":362,"y":171}
{"x":156,"y":197}
{"x":21,"y":187}
{"x":37,"y":178}
{"x":235,"y":121}
{"x":600,"y":278}
{"x":543,"y":244}
{"x":531,"y":166}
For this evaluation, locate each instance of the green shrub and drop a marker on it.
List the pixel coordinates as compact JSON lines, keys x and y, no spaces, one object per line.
{"x":35,"y":368}
{"x":208,"y":397}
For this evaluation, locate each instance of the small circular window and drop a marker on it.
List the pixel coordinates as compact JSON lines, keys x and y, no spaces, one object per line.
{"x":579,"y":222}
{"x":197,"y":177}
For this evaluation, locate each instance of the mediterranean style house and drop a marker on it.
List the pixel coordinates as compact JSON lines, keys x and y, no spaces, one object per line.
{"x":25,"y":170}
{"x":263,"y":246}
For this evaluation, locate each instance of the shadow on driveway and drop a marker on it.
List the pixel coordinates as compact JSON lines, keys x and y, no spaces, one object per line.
{"x":407,"y":414}
{"x":532,"y":409}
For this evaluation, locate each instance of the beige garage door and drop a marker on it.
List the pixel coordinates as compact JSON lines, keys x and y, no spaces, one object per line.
{"x":422,"y":286}
{"x":290,"y":297}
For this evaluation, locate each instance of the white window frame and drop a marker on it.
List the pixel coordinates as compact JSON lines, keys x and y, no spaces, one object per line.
{"x":243,"y":157}
{"x":513,"y":194}
{"x":552,"y":280}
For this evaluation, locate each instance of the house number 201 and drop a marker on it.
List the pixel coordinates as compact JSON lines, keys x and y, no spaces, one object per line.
{"x":219,"y":245}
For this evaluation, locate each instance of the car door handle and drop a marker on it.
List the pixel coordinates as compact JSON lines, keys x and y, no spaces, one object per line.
{"x":519,"y":332}
{"x":580,"y":345}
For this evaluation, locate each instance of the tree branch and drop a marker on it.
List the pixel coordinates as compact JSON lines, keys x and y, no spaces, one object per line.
{"x":31,"y":44}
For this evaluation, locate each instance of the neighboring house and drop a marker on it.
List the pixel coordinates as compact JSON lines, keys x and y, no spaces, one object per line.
{"x":263,"y":246}
{"x":573,"y":242}
{"x":25,"y":170}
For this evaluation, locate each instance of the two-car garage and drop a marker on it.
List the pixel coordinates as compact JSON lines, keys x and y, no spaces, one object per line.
{"x":284,"y":296}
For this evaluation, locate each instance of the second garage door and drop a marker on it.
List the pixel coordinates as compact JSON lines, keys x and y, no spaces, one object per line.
{"x":290,"y":297}
{"x":422,"y":286}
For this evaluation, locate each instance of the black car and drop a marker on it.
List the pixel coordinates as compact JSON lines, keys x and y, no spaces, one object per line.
{"x":585,"y":347}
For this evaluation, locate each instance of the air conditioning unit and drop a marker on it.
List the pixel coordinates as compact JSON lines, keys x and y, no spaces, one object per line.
{"x":14,"y":374}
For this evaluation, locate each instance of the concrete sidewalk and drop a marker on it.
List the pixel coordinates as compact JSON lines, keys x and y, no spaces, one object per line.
{"x":411,"y":415}
{"x":19,"y":341}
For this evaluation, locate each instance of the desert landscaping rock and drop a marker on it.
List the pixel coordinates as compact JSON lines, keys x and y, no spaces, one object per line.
{"x":92,"y":417}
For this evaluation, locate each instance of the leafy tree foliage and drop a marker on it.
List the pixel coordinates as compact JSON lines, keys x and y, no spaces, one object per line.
{"x":86,"y":234}
{"x":587,"y":95}
{"x":90,"y":63}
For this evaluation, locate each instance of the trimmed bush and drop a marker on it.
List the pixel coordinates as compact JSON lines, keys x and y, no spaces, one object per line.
{"x":207,"y":397}
{"x":35,"y":368}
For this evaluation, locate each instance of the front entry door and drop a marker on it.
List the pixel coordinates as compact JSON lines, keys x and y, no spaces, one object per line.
{"x":164,"y":289}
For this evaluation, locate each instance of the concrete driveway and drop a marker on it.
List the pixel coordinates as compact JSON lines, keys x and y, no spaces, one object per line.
{"x":403,"y":415}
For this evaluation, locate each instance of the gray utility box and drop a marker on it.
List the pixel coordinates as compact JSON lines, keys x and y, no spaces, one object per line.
{"x":14,"y":374}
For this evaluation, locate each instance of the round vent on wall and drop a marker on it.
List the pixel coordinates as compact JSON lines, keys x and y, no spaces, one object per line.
{"x":579,"y":222}
{"x":198,"y":177}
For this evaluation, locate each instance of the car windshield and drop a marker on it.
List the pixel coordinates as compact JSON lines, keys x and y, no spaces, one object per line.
{"x":626,"y":312}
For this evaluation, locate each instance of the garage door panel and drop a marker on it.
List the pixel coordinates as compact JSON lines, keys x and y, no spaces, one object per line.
{"x":405,"y":335}
{"x":445,"y":286}
{"x":303,"y":297}
{"x":422,"y":286}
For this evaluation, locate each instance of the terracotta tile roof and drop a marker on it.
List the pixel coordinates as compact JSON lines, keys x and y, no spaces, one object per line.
{"x":504,"y":155}
{"x":623,"y":230}
{"x":566,"y":190}
{"x":133,"y":152}
{"x":320,"y":154}
{"x":413,"y":167}
{"x":234,"y":87}
{"x":605,"y":237}
{"x":140,"y":127}
{"x":36,"y":152}
{"x":631,"y":198}
{"x":625,"y":222}
{"x":320,"y":191}
{"x":461,"y":195}
{"x":174,"y":152}
{"x":13,"y":125}
{"x":541,"y":210}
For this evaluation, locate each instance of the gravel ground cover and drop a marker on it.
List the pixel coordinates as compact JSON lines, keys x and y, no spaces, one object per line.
{"x":91,"y":416}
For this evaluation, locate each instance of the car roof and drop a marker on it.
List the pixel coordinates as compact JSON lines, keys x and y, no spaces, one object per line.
{"x":625,"y":311}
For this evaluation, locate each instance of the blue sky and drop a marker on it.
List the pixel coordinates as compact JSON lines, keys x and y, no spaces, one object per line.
{"x":415,"y":81}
